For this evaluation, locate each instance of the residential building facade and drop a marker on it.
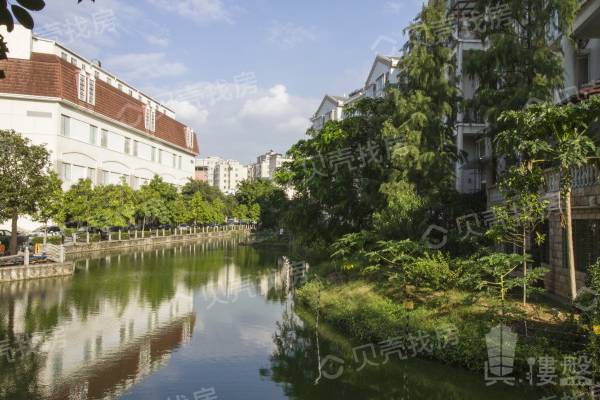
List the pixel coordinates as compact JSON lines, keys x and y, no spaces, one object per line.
{"x":94,"y":124}
{"x":266,"y":165}
{"x":221,"y":173}
{"x":384,"y":71}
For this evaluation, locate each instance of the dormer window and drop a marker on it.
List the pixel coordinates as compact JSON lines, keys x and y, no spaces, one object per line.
{"x":150,"y":118}
{"x":86,"y":88}
{"x":189,"y":137}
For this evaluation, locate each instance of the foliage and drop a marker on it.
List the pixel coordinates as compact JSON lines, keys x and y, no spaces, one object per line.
{"x":264,"y":197}
{"x":154,"y":200}
{"x":522,"y":58}
{"x":25,"y":178}
{"x":498,"y":276}
{"x":112,"y":205}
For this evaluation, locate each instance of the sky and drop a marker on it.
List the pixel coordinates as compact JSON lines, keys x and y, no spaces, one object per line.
{"x":245,"y":75}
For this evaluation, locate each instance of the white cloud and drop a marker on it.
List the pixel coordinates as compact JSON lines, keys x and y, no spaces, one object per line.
{"x":289,"y":35}
{"x":198,"y":10}
{"x":143,"y":66}
{"x":157,"y":41}
{"x":275,"y":103}
{"x":240,"y":127}
{"x":194,"y":114}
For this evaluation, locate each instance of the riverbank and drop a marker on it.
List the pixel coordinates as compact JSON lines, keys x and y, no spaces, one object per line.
{"x":368,"y":314}
{"x":157,"y":240}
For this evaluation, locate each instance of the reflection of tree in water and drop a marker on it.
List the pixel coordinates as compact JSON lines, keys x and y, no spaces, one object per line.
{"x":294,"y":365}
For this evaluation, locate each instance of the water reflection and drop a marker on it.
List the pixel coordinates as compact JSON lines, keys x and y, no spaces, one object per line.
{"x":145,"y":325}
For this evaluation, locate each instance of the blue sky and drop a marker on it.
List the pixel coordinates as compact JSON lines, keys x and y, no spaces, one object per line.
{"x":246,"y":75}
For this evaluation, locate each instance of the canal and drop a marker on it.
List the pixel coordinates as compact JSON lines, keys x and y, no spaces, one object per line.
{"x":204,"y":321}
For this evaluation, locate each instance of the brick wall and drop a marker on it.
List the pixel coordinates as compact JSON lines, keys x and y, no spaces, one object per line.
{"x":51,"y":76}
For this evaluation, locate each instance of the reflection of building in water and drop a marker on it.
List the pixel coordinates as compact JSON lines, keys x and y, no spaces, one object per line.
{"x":107,"y":350}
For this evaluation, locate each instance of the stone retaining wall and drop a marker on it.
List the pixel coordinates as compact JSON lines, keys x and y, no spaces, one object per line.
{"x":37,"y":271}
{"x":146,"y":242}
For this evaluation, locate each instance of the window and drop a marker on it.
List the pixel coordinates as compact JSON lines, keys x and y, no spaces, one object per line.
{"x":150,"y":118}
{"x":586,"y":236}
{"x":86,"y":88}
{"x":583,"y":69}
{"x":109,"y":80}
{"x":120,"y":86}
{"x":73,"y":61}
{"x":82,"y":86}
{"x":96,"y":74}
{"x":153,"y":154}
{"x":135,"y":148}
{"x":104,"y":138}
{"x":66,"y":172}
{"x":91,"y":175}
{"x":174,"y":161}
{"x":65,"y":125}
{"x":64,"y":56}
{"x":127,"y":146}
{"x":189,"y":137}
{"x":93,"y":134}
{"x":91,"y":92}
{"x":179,"y":162}
{"x":160,"y":156}
{"x":482,"y":148}
{"x":131,"y":92}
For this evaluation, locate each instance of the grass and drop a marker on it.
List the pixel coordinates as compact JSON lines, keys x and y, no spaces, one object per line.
{"x":371,"y":312}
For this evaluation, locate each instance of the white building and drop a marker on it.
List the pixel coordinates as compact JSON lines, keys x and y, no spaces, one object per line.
{"x":229,"y":174}
{"x":94,"y":124}
{"x":224,"y":174}
{"x":384,"y":71}
{"x":210,"y":164}
{"x":266,"y":165}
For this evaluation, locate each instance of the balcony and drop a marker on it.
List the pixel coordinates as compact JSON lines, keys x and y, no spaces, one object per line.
{"x":587,"y":21}
{"x":583,"y":177}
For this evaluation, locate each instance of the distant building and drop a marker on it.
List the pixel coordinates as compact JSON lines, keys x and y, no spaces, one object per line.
{"x":221,"y":173}
{"x":266,"y":165}
{"x":229,"y":174}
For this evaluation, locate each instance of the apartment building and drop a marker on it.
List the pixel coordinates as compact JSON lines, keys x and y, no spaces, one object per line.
{"x":582,"y":79}
{"x":94,"y":124}
{"x":224,"y":174}
{"x":208,"y":165}
{"x":229,"y":174}
{"x":384,"y":71}
{"x":475,"y":173}
{"x":266,"y":165}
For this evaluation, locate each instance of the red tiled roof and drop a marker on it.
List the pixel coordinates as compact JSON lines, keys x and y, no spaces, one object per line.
{"x":51,"y":76}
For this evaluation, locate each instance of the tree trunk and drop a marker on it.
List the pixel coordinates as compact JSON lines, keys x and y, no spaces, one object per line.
{"x":14,"y":234}
{"x":570,"y":251}
{"x":524,"y":253}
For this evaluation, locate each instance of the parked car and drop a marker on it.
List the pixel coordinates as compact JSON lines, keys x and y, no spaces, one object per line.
{"x":50,"y":231}
{"x":5,"y":235}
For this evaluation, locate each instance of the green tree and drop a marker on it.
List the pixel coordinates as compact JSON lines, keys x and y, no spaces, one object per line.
{"x":254,"y":212}
{"x":522,"y":59}
{"x":179,"y":210}
{"x":52,"y":206}
{"x":240,"y":212}
{"x":78,"y":201}
{"x":218,"y":211}
{"x":424,"y":104}
{"x":521,"y":212}
{"x":200,"y":209}
{"x":24,"y":179}
{"x":113,"y":205}
{"x":153,"y":201}
{"x":547,"y":135}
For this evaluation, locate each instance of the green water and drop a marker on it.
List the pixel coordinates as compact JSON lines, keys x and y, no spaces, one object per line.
{"x":204,"y":321}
